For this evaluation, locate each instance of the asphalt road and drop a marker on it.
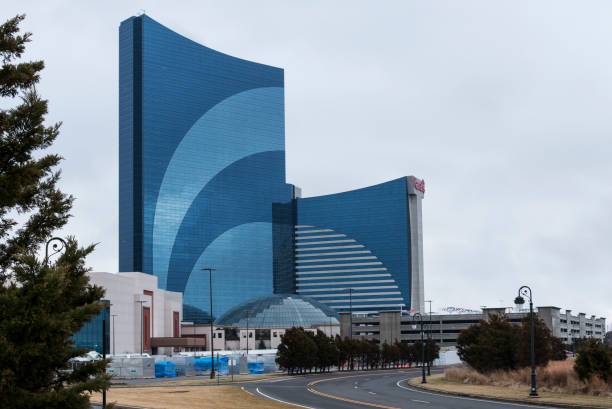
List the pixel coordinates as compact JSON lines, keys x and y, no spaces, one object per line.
{"x":378,"y":389}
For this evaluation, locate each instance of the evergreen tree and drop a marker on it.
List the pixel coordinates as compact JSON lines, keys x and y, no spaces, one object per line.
{"x":343,"y":351}
{"x":297,"y":351}
{"x":543,"y":340}
{"x":41,"y":305}
{"x":372,"y":354}
{"x":432,"y":350}
{"x":594,"y":359}
{"x":328,"y":352}
{"x":557,"y":349}
{"x":417,"y":347}
{"x":489,"y":345}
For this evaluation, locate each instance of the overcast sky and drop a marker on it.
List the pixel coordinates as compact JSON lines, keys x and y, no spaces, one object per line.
{"x":504,"y":108}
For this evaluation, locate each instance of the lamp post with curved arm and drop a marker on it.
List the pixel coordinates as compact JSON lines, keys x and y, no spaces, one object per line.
{"x":526,"y":291}
{"x":424,"y":380}
{"x":59,"y":245}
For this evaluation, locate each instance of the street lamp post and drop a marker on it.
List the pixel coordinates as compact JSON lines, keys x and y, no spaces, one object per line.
{"x":104,"y":358}
{"x":57,"y":247}
{"x":526,"y":291}
{"x":247,"y":335}
{"x":428,"y":342}
{"x":350,"y":290}
{"x":424,"y":380}
{"x":212,"y":341}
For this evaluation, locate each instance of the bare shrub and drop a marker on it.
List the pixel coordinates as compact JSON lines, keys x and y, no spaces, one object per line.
{"x":557,"y":376}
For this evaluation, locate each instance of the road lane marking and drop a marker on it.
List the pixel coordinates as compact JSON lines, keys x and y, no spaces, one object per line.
{"x":282,"y":401}
{"x":420,"y":401}
{"x":381,"y":373}
{"x":448,"y":395}
{"x":372,"y":393}
{"x":358,"y":402}
{"x":346,"y":399}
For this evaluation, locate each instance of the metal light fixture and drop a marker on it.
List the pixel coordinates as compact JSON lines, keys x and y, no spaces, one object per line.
{"x":519,"y":300}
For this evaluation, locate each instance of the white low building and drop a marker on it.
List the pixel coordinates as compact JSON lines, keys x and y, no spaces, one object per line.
{"x":139,"y":311}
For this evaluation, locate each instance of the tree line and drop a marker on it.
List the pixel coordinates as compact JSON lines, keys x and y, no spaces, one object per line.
{"x":302,"y":351}
{"x":498,"y":344}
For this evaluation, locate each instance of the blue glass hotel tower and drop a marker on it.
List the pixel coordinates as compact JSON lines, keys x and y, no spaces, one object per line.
{"x":202,"y":184}
{"x":201,"y":160}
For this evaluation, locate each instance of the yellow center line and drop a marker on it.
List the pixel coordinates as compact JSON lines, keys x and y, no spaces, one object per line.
{"x":339,"y":377}
{"x":358,"y":402}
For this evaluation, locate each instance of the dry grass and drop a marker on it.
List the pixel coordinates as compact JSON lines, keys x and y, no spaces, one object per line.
{"x":516,"y":394}
{"x":557,"y":376}
{"x":189,"y":382}
{"x":213,"y":397}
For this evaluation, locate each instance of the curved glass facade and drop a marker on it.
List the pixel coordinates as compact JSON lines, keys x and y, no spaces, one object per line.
{"x":279,"y":311}
{"x":202,"y":159}
{"x":366,"y":240}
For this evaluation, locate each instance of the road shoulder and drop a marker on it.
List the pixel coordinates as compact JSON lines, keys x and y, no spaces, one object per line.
{"x":437,"y":383}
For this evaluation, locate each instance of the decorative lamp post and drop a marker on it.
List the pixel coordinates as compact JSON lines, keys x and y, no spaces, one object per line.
{"x":212,"y":341}
{"x":59,"y":245}
{"x":519,"y":300}
{"x":424,"y":380}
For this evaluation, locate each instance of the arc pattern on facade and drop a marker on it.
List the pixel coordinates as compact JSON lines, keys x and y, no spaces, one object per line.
{"x":342,"y":259}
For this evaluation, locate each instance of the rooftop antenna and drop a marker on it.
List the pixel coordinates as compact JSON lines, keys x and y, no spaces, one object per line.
{"x":142,"y":11}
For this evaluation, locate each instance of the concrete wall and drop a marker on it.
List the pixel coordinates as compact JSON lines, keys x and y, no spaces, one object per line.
{"x":124,"y":291}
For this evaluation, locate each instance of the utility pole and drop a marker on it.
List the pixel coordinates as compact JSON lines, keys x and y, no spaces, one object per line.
{"x":247,"y":336}
{"x":350,"y":290}
{"x":428,"y":342}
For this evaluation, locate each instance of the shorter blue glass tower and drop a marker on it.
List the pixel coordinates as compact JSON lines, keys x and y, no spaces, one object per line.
{"x":362,"y":249}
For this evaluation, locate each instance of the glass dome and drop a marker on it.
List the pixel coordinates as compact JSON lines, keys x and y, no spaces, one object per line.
{"x":279,"y":311}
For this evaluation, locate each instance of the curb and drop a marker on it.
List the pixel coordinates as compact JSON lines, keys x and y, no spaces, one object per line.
{"x":532,"y":401}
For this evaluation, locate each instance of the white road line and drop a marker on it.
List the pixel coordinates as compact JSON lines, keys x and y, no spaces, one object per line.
{"x":282,"y":401}
{"x":446,"y":395}
{"x":276,"y":380}
{"x":372,"y":393}
{"x":419,"y":401}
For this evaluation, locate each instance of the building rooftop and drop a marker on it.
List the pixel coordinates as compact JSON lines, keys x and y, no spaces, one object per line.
{"x":279,"y":311}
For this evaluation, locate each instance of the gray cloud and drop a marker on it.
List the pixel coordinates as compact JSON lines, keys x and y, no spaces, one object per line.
{"x":503,"y":108}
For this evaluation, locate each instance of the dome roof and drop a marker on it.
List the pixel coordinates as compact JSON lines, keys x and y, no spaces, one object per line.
{"x":279,"y":311}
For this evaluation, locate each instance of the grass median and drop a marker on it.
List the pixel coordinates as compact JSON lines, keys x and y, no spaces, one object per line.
{"x":185,"y":397}
{"x":438,"y":383}
{"x":187,"y":382}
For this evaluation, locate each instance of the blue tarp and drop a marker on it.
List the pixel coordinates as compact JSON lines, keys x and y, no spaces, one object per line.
{"x":202,"y":364}
{"x":165,"y":368}
{"x":256,"y":367}
{"x":221,"y":364}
